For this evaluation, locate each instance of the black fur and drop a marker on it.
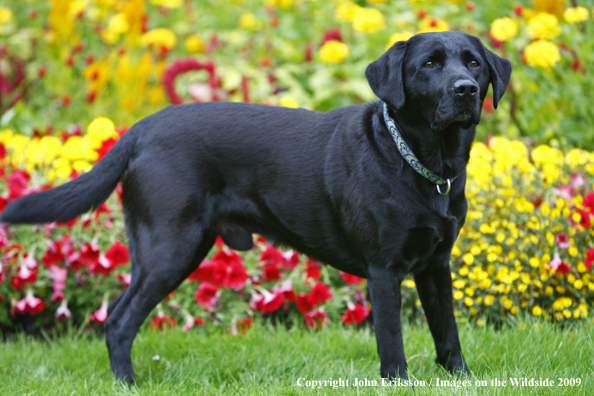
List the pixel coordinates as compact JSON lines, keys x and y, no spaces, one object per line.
{"x":331,"y":185}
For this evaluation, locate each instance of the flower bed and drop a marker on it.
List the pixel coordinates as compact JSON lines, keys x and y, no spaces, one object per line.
{"x":70,"y":71}
{"x":527,"y":245}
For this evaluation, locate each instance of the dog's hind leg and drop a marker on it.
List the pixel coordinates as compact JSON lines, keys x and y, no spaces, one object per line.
{"x":161,"y":259}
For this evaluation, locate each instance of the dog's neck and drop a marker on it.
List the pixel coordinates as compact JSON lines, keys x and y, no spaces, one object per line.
{"x":445,"y":152}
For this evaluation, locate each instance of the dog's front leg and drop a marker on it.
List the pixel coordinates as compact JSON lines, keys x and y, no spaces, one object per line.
{"x":434,"y":285}
{"x":384,"y":289}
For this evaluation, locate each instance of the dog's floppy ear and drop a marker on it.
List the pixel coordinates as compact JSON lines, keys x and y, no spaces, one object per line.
{"x":385,"y":76}
{"x":500,"y":71}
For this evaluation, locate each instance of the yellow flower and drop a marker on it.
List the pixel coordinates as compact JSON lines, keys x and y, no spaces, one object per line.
{"x":160,"y":38}
{"x":288,"y":101}
{"x":576,"y":157}
{"x":346,"y":11}
{"x":285,"y":4}
{"x":544,"y":26}
{"x":428,"y":25}
{"x":543,"y":154}
{"x":6,"y":15}
{"x":576,"y":14}
{"x":554,"y":7}
{"x":542,"y":53}
{"x":503,"y":29}
{"x":195,"y":44}
{"x":458,"y":294}
{"x":468,"y":258}
{"x":167,"y":3}
{"x":400,"y":36}
{"x":368,"y":20}
{"x":334,"y":51}
{"x":99,"y":130}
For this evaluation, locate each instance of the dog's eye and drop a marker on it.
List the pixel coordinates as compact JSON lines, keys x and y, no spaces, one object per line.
{"x":474,"y":63}
{"x":428,"y":65}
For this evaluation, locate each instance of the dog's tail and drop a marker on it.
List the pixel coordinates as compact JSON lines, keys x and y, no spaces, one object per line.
{"x":78,"y":196}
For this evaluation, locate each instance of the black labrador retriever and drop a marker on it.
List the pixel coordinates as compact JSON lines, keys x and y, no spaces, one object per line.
{"x":375,"y":190}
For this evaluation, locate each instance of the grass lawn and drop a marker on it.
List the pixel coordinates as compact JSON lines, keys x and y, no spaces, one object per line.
{"x":270,"y":362}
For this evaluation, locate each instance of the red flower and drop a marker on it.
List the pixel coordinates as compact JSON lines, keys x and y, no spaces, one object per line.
{"x":225,"y":269}
{"x":271,"y":272}
{"x":89,"y":254}
{"x":17,"y":183}
{"x":117,"y":254}
{"x":272,"y":302}
{"x":199,"y":321}
{"x":355,"y":313}
{"x":53,"y":255}
{"x":303,"y":303}
{"x":589,"y":258}
{"x":100,"y":315}
{"x":24,"y":276}
{"x":161,"y":322}
{"x":320,"y":293}
{"x":585,"y":220}
{"x":350,"y":279}
{"x":313,"y":269}
{"x":103,"y":266}
{"x":105,"y":147}
{"x":332,"y":34}
{"x":30,"y":304}
{"x":589,"y":202}
{"x":206,"y":295}
{"x":317,"y":319}
{"x":241,"y":327}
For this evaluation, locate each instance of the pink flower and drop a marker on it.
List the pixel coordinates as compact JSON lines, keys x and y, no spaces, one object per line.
{"x":577,"y":180}
{"x":355,"y":313}
{"x":63,"y":313}
{"x":126,"y":278}
{"x":58,"y":276}
{"x":317,"y":319}
{"x":565,"y":192}
{"x":17,"y":183}
{"x":558,"y":265}
{"x":189,"y":323}
{"x":206,"y":295}
{"x":100,"y":315}
{"x":562,"y":241}
{"x":2,"y":276}
{"x":24,"y":276}
{"x":30,"y":304}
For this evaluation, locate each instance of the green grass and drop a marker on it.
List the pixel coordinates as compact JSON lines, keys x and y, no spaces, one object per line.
{"x":269,"y":362}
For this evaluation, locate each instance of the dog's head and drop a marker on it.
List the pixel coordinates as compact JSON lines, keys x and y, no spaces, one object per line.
{"x":443,"y":77}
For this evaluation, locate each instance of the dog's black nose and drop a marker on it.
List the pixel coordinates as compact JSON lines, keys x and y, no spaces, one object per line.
{"x":465,"y":88}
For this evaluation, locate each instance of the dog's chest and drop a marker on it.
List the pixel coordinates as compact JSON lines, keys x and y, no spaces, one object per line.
{"x":431,"y":236}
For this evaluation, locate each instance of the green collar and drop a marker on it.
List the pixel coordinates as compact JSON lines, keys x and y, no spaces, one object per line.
{"x":409,"y":156}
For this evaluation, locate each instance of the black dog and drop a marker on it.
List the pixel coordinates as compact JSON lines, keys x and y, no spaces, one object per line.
{"x":332,"y":185}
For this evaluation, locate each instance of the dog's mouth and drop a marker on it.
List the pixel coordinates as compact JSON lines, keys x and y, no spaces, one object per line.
{"x":465,"y":115}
